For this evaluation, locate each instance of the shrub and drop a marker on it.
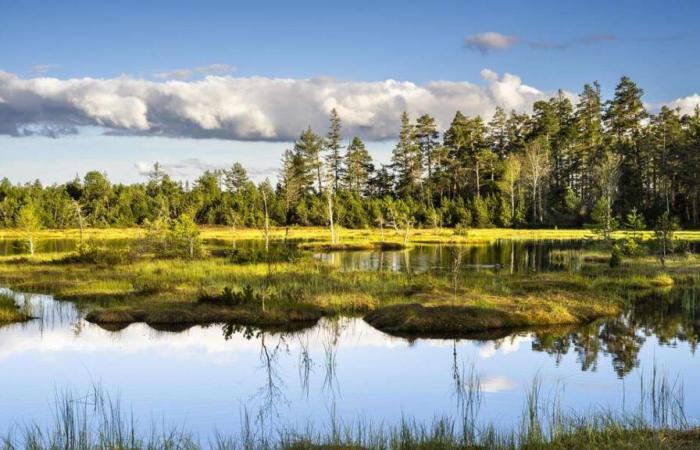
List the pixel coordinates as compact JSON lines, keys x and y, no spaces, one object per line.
{"x":615,"y":257}
{"x":145,"y":286}
{"x":630,"y":248}
{"x":253,"y":255}
{"x":231,"y":297}
{"x":173,"y":239}
{"x":89,"y":254}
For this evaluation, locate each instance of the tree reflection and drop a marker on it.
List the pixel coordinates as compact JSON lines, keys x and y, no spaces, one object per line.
{"x":671,"y":317}
{"x":271,"y":392}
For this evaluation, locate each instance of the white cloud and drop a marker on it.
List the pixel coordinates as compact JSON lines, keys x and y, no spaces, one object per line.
{"x":687,"y":104}
{"x":494,"y":385}
{"x":489,"y":42}
{"x":505,"y":346}
{"x":245,"y":108}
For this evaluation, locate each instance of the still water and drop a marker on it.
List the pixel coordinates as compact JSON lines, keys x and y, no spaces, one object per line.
{"x":506,"y":256}
{"x":204,"y":378}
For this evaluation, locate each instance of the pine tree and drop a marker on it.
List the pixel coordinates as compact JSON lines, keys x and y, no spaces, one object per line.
{"x":308,"y":165}
{"x":382,"y":183}
{"x":589,"y":128}
{"x":334,"y":159}
{"x":426,"y":136}
{"x":358,"y":167}
{"x":236,"y":177}
{"x":623,"y":118}
{"x":406,"y":160}
{"x":498,"y":133}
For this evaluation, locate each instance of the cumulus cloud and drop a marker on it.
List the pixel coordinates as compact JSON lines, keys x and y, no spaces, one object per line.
{"x":496,"y":384}
{"x":179,"y":168}
{"x":245,"y":108}
{"x":687,"y":104}
{"x":489,"y":42}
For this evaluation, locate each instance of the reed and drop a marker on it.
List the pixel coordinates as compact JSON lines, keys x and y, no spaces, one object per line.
{"x":98,"y":421}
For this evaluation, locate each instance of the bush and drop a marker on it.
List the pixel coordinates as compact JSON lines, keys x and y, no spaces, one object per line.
{"x":231,"y":297}
{"x":153,"y":285}
{"x":253,"y":255}
{"x":615,"y":258}
{"x":461,"y":229}
{"x":89,"y":254}
{"x":630,"y":248}
{"x":179,"y":238}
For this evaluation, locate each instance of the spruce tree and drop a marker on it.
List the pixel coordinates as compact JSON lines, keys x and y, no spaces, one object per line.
{"x":406,"y":160}
{"x":358,"y":167}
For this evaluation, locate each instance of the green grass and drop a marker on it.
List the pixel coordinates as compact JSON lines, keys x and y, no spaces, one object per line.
{"x":370,"y":235}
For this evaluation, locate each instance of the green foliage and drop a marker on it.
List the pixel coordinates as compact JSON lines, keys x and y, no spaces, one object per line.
{"x":635,"y":221}
{"x":630,"y":248}
{"x":254,"y":255}
{"x":481,"y":214}
{"x":29,"y":222}
{"x":232,"y":297}
{"x":89,"y":253}
{"x":615,"y":258}
{"x":603,"y":219}
{"x":179,"y":238}
{"x":664,"y":230}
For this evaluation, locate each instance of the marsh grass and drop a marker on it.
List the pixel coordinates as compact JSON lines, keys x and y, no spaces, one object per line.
{"x":425,"y":236}
{"x":10,"y":311}
{"x":157,"y":288}
{"x":301,"y":288}
{"x":98,"y":421}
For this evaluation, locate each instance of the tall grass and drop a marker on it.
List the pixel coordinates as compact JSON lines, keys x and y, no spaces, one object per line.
{"x":98,"y":421}
{"x":10,"y":311}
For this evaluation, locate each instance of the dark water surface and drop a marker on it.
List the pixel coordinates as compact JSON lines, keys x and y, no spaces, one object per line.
{"x":204,"y":378}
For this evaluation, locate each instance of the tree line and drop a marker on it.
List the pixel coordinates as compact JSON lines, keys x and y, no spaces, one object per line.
{"x":566,"y":164}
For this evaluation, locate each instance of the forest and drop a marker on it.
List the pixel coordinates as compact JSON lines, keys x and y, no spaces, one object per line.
{"x":576,"y":163}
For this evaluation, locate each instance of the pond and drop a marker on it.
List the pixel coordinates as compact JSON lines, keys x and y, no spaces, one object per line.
{"x":205,"y":379}
{"x":507,"y":256}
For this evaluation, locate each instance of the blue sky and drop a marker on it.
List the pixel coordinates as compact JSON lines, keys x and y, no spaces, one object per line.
{"x":552,"y":44}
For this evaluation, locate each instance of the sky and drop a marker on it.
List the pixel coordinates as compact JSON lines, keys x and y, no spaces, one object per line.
{"x":116,"y":86}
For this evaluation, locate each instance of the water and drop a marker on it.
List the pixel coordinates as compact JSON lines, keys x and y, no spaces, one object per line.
{"x":10,"y":247}
{"x":204,"y":378}
{"x":508,"y":256}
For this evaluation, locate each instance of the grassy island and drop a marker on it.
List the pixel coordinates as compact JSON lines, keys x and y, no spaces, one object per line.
{"x":118,"y":287}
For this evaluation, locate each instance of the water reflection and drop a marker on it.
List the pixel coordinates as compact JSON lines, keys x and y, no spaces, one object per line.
{"x":342,"y":368}
{"x":510,"y":256}
{"x":670,"y":317}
